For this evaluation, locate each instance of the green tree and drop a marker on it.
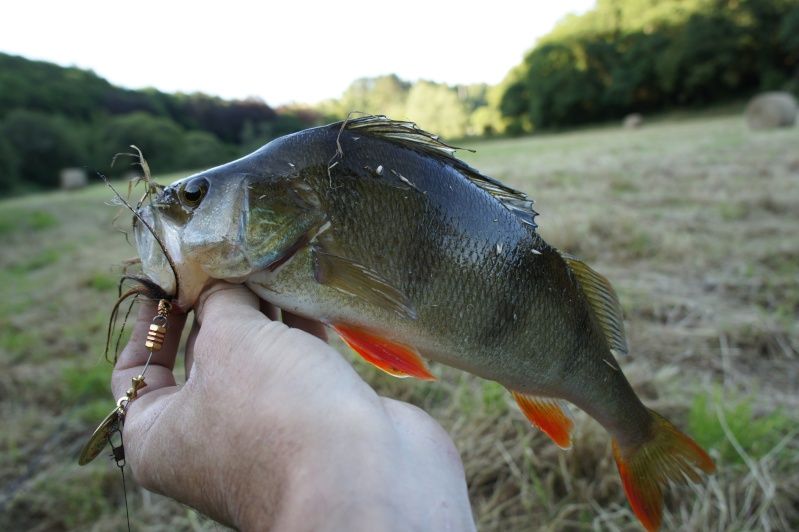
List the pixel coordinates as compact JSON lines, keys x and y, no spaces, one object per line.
{"x":9,"y":163}
{"x":383,"y":95}
{"x":42,"y":145}
{"x":788,"y":34}
{"x":48,"y":88}
{"x":437,"y":108}
{"x":487,"y":119}
{"x":203,"y":150}
{"x":635,"y":84}
{"x":706,"y":60}
{"x":556,"y":90}
{"x":788,"y":39}
{"x":643,"y":55}
{"x":160,"y":139}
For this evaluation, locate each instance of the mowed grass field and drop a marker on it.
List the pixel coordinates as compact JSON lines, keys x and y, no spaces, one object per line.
{"x":695,"y":222}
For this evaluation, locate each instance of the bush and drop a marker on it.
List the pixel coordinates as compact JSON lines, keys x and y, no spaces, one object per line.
{"x":160,"y":139}
{"x":41,"y":145}
{"x":9,"y":163}
{"x":203,"y":150}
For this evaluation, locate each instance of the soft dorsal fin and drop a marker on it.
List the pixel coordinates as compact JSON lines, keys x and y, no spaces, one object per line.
{"x":411,"y":136}
{"x":603,"y":300}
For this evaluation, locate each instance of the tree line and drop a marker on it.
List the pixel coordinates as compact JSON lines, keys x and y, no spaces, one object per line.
{"x":652,"y":55}
{"x":621,"y":57}
{"x":452,"y":112}
{"x":53,"y":117}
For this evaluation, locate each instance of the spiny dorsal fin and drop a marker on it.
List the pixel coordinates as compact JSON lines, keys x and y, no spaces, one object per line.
{"x":411,"y":136}
{"x":603,"y":301}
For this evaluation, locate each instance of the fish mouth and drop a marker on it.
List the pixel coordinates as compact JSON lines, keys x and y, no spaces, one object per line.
{"x":155,"y":263}
{"x":164,"y":261}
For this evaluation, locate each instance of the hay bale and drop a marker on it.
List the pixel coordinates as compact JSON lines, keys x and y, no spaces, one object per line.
{"x":771,"y":110}
{"x":72,"y":178}
{"x":633,"y":121}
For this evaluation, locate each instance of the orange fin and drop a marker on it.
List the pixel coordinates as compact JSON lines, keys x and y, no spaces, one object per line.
{"x":550,"y":415}
{"x":645,"y":469}
{"x":392,"y":357}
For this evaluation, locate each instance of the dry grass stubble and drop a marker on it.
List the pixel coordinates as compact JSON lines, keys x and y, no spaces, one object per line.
{"x":695,"y":224}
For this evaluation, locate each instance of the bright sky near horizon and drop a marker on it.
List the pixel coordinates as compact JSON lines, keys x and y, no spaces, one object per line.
{"x":284,"y":51}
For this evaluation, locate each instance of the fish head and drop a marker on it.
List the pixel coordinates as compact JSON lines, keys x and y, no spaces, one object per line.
{"x":197,"y":221}
{"x":225,"y":223}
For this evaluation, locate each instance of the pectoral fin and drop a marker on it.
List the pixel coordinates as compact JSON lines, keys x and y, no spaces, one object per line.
{"x":392,"y":357}
{"x":550,"y":415}
{"x":359,"y":281}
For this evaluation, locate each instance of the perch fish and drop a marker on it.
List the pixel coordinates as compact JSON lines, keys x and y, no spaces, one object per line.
{"x":375,"y":228}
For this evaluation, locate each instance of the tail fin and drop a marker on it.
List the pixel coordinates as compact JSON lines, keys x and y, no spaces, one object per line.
{"x":669,"y":456}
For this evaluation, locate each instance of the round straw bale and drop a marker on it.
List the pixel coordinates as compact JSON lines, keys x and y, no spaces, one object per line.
{"x":633,"y":121}
{"x":771,"y":110}
{"x":73,"y":178}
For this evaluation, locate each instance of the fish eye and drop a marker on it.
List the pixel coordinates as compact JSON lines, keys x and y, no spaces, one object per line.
{"x":193,"y":192}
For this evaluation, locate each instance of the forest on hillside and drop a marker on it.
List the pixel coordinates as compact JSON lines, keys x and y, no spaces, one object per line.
{"x":53,"y":117}
{"x":624,"y":56}
{"x":650,"y":56}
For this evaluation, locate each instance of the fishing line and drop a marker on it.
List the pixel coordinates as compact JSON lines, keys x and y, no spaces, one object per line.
{"x":151,"y":187}
{"x":147,"y":287}
{"x":111,"y":427}
{"x":139,"y":218}
{"x":118,"y":453}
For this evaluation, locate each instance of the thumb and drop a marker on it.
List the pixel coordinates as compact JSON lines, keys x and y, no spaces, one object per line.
{"x":223,"y":300}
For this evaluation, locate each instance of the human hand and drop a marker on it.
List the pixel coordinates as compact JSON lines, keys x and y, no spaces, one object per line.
{"x":275,"y":430}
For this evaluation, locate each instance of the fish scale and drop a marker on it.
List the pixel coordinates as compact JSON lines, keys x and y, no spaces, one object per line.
{"x":374,"y":228}
{"x":449,"y":277}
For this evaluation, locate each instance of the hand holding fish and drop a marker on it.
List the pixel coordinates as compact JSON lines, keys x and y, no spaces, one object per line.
{"x":274,"y":429}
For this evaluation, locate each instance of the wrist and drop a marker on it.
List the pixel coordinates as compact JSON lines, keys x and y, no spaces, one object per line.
{"x":384,"y":466}
{"x":330,"y":478}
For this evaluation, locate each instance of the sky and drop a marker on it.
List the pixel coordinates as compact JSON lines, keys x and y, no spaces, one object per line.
{"x":281,"y":52}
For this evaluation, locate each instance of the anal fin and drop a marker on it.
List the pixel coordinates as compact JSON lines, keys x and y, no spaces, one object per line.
{"x":392,"y":357}
{"x":550,"y":415}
